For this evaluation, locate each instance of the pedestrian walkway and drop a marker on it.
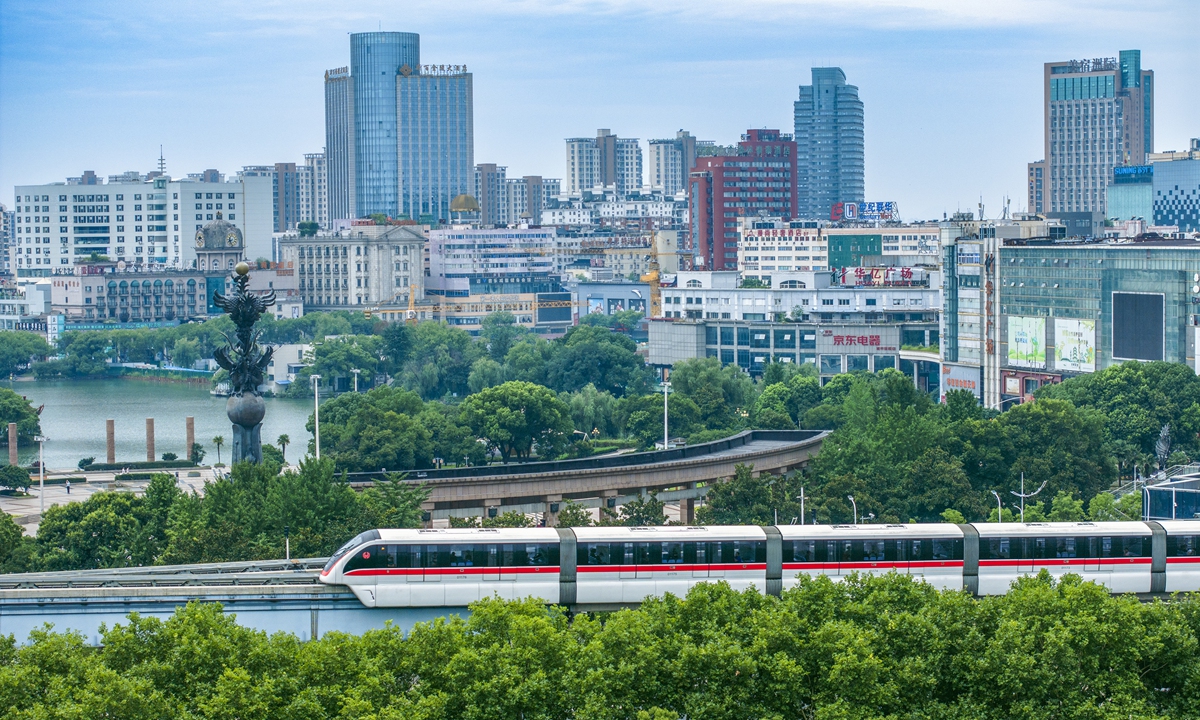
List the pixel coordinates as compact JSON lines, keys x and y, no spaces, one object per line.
{"x":26,"y":511}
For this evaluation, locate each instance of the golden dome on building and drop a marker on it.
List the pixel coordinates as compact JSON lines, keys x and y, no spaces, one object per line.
{"x":464,"y":204}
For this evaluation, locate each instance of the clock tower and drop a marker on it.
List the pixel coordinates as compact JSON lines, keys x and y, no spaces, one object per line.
{"x":219,"y":246}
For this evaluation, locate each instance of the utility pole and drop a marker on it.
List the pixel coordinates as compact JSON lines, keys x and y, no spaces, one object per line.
{"x":666,"y":386}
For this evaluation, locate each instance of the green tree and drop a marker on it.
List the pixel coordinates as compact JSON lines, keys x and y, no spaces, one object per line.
{"x":197,"y":453}
{"x":283,"y":441}
{"x":747,"y":500}
{"x":516,"y":417}
{"x":16,"y":409}
{"x":499,"y":330}
{"x":217,"y":442}
{"x":185,"y":352}
{"x":589,"y":355}
{"x":572,"y":514}
{"x":485,"y":373}
{"x":724,"y":395}
{"x":641,"y":511}
{"x":19,"y":350}
{"x":14,"y":477}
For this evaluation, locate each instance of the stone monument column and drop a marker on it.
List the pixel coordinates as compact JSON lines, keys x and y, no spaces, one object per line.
{"x":12,"y":443}
{"x":110,"y":433}
{"x":149,"y":439}
{"x":191,"y":437}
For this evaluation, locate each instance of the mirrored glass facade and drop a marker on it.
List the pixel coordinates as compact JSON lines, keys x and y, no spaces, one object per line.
{"x":375,"y":61}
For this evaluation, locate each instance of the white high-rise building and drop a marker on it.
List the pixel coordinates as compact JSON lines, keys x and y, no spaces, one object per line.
{"x":670,"y":162}
{"x":604,"y":161}
{"x":149,"y":224}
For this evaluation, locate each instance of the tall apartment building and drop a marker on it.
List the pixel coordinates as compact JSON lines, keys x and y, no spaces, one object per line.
{"x":142,"y":224}
{"x":1098,"y":114}
{"x":760,"y":179}
{"x":409,"y":126}
{"x":603,"y":161}
{"x":7,"y":220}
{"x":313,"y":189}
{"x":1038,"y":187}
{"x":829,"y":144}
{"x":670,"y":162}
{"x":489,"y":191}
{"x":339,"y":143}
{"x":285,"y":181}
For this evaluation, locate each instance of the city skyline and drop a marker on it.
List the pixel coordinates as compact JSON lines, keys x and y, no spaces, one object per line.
{"x":917,"y":65}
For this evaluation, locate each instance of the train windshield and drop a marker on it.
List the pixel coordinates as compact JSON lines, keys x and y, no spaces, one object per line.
{"x":359,"y":539}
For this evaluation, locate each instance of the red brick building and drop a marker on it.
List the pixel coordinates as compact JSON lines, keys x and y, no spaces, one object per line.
{"x":760,"y":179}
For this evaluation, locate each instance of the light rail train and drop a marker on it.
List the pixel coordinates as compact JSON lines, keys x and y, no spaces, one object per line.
{"x":601,"y":567}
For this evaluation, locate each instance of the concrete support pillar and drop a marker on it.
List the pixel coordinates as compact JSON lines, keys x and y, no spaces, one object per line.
{"x":12,"y":443}
{"x":427,"y":515}
{"x":608,"y":500}
{"x":149,"y":439}
{"x":110,"y":433}
{"x":687,"y":508}
{"x":553,"y":506}
{"x":191,"y":438}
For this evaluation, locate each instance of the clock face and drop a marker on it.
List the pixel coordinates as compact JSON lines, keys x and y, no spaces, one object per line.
{"x":199,"y":239}
{"x":231,"y":239}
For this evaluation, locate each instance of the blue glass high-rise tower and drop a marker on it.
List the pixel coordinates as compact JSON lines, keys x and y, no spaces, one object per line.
{"x":829,"y":143}
{"x":399,"y":135}
{"x":375,"y":61}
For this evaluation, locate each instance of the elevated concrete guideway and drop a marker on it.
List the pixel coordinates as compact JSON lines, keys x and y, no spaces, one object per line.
{"x":680,"y":475}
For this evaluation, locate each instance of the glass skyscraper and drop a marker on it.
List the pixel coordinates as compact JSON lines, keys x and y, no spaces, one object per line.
{"x":399,"y":135}
{"x":376,"y":58}
{"x":829,"y":143}
{"x":434,"y":121}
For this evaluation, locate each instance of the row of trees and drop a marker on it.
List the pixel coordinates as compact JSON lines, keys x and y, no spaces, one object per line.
{"x":866,"y":647}
{"x":241,"y":517}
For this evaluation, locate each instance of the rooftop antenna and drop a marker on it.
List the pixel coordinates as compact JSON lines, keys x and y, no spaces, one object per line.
{"x":162,"y":162}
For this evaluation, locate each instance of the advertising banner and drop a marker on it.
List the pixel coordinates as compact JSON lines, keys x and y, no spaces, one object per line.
{"x":1075,"y":345}
{"x":1026,"y":342}
{"x":595,"y":305}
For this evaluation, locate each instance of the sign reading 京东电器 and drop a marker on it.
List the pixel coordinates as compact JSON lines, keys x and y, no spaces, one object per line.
{"x":1026,"y":341}
{"x":1075,"y":345}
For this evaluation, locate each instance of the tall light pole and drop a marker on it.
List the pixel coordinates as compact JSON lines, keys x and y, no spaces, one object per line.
{"x":800,"y":497}
{"x":41,"y":441}
{"x":356,"y":371}
{"x":855,"y":506}
{"x":666,"y":385}
{"x":999,"y":508}
{"x":317,"y":413}
{"x":1023,"y":495}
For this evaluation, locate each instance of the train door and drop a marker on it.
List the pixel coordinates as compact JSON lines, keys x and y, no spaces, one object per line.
{"x":645,"y":559}
{"x":416,"y":562}
{"x":673,"y":575}
{"x":717,"y":552}
{"x":430,"y":591}
{"x":846,"y":556}
{"x":898,"y":555}
{"x":875,"y":556}
{"x":628,"y":564}
{"x":461,"y":582}
{"x":696,"y":554}
{"x":508,"y":571}
{"x":491,"y":556}
{"x":1030,"y":550}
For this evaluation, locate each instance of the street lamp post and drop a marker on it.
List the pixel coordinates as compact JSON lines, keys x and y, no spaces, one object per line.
{"x":800,"y":497}
{"x":317,"y":413}
{"x":855,"y":506}
{"x":1024,"y":495}
{"x":356,"y":371}
{"x":666,"y":389}
{"x":41,"y":441}
{"x":999,"y":508}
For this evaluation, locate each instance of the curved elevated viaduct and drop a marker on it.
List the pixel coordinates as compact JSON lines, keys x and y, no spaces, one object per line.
{"x":680,"y":475}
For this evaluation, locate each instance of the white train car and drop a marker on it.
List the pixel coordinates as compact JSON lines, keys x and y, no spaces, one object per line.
{"x":1117,"y":555}
{"x":1182,"y":564}
{"x":933,"y":552}
{"x":449,"y":567}
{"x":629,"y":564}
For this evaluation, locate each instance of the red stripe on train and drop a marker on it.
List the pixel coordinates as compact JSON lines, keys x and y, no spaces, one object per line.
{"x":1067,"y":562}
{"x":400,"y":572}
{"x":668,"y":568}
{"x":874,"y":565}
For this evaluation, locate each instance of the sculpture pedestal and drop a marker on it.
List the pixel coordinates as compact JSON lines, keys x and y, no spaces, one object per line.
{"x":247,"y":444}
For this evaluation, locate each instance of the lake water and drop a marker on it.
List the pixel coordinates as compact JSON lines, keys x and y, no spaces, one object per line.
{"x":75,"y":414}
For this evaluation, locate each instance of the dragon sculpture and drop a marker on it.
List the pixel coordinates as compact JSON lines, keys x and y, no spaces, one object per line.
{"x":244,"y":359}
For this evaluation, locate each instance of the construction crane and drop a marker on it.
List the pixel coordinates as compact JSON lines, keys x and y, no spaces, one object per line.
{"x":653,"y":278}
{"x":410,"y":316}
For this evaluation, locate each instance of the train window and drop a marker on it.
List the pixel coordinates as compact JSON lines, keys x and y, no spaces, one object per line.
{"x":648,"y":553}
{"x":916,"y":548}
{"x":999,"y":548}
{"x":672,"y":553}
{"x":1064,"y":547}
{"x":947,"y":549}
{"x":462,"y":556}
{"x":873,"y":550}
{"x":800,"y":551}
{"x":354,"y":542}
{"x":1131,"y":547}
{"x":370,"y":557}
{"x":1183,"y":545}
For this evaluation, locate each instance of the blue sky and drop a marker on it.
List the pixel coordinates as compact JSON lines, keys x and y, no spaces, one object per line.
{"x":952,"y":87}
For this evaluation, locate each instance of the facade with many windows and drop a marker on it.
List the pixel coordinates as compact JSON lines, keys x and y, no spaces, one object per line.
{"x":362,"y":265}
